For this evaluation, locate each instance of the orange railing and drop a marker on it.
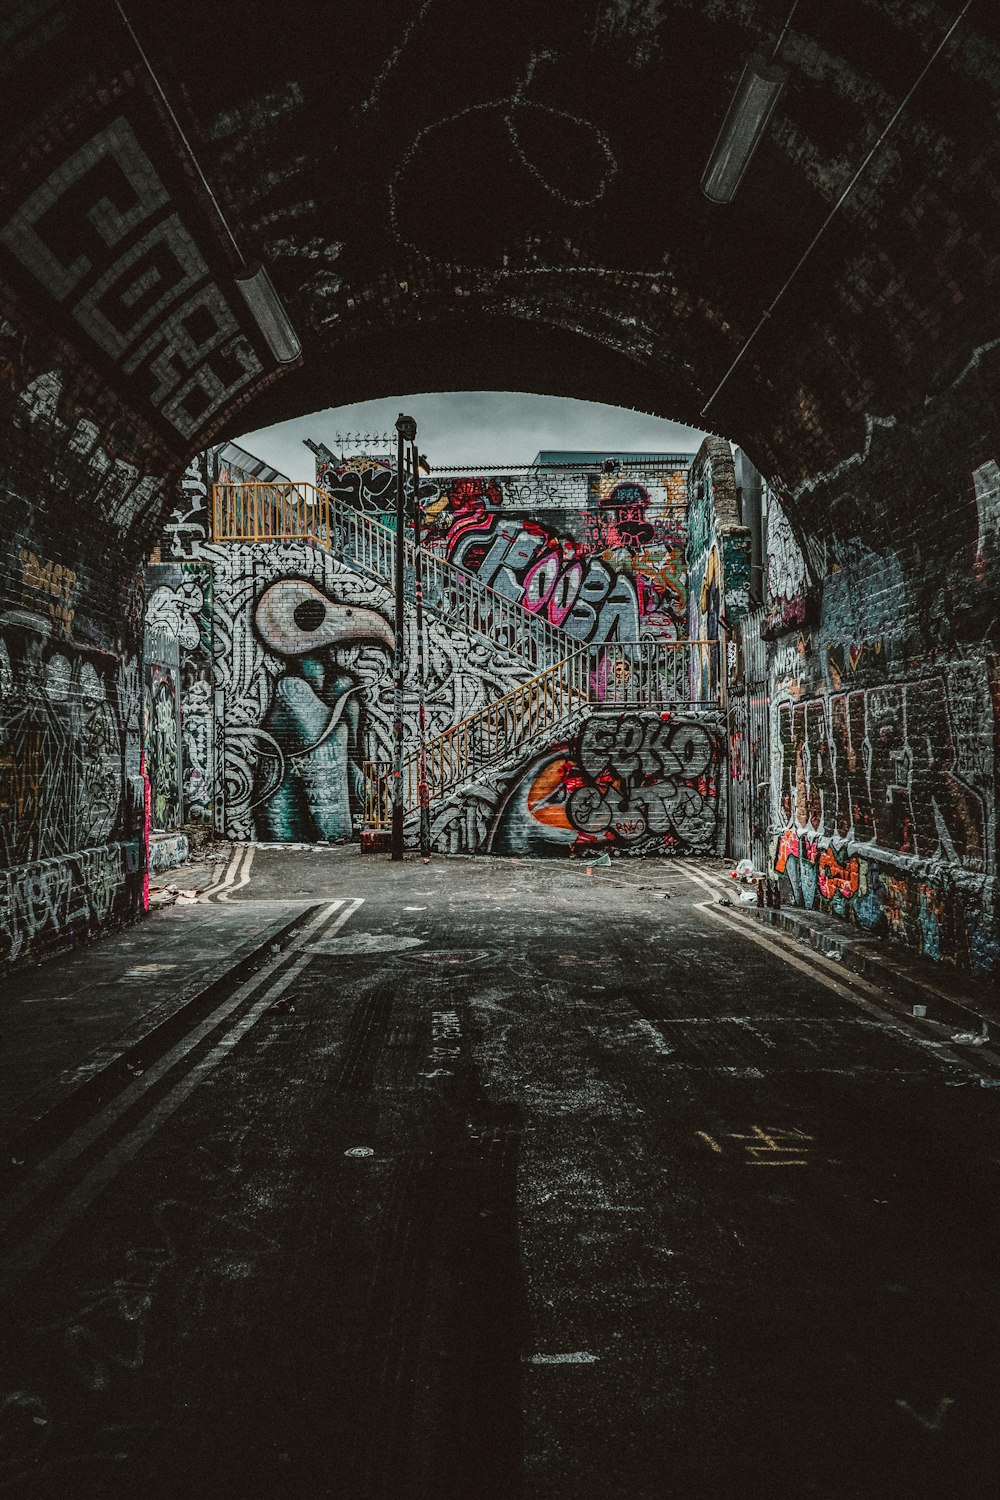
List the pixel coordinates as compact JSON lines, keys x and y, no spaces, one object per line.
{"x":259,"y":512}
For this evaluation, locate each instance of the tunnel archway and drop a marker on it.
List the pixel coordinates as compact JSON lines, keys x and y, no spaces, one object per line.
{"x":524,"y":200}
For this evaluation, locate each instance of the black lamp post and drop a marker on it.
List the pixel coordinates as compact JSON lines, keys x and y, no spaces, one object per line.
{"x":406,"y":432}
{"x":423,"y":785}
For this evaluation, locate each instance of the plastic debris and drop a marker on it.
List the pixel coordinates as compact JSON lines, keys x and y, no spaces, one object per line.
{"x":359,"y":1151}
{"x":748,"y":898}
{"x":743,"y":871}
{"x":920,"y":1011}
{"x":968,"y":1038}
{"x":989,"y":1083}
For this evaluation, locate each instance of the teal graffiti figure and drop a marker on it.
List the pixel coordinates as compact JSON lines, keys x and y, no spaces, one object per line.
{"x":311,"y":783}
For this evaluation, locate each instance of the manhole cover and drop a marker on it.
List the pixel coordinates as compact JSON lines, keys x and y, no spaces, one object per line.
{"x":453,"y":956}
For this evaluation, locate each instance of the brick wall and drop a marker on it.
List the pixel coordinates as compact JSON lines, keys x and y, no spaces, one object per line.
{"x":75,"y":497}
{"x":883,"y":673}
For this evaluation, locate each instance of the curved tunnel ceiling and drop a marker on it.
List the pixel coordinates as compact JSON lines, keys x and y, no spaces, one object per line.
{"x":452,"y":196}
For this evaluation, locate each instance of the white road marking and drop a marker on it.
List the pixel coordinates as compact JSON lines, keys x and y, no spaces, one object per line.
{"x":244,"y":875}
{"x":228,"y":877}
{"x":700,"y":880}
{"x":580,"y":1357}
{"x":32,"y":1249}
{"x":816,"y":968}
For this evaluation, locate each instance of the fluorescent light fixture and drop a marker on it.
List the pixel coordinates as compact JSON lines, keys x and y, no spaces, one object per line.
{"x":269,"y":315}
{"x":756,"y":95}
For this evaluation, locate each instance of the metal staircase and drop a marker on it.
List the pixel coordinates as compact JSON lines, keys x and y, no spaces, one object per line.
{"x":615,"y":677}
{"x":272,"y":512}
{"x":484,"y":739}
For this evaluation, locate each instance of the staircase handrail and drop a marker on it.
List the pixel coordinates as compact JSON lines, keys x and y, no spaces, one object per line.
{"x":483,"y":738}
{"x":297,"y":510}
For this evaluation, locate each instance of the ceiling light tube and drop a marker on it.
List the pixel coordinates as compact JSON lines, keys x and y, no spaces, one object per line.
{"x":756,"y":95}
{"x":269,"y":314}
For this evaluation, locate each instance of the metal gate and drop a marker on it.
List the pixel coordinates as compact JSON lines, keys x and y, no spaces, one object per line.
{"x":749,"y":747}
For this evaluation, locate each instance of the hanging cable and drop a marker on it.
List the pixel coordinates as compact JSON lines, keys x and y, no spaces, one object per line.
{"x":784,"y":30}
{"x":180,"y":131}
{"x":840,"y":201}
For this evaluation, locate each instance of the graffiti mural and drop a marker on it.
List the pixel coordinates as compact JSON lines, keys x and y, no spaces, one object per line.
{"x":718,"y":556}
{"x":635,"y":783}
{"x":369,"y":485}
{"x":308,"y":781}
{"x":75,"y":896}
{"x":162,"y":741}
{"x":61,"y":743}
{"x":68,"y":722}
{"x":884,"y":806}
{"x":610,"y":569}
{"x":302,"y":698}
{"x":599,"y":555}
{"x":788,"y":591}
{"x":179,"y":609}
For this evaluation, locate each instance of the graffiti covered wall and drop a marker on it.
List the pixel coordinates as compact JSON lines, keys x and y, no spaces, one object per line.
{"x":883,"y":794}
{"x":300,"y":675}
{"x":637,"y":783}
{"x":72,"y":852}
{"x":302,"y":644}
{"x":718,"y":559}
{"x":599,"y":555}
{"x":179,"y":610}
{"x":883,"y":782}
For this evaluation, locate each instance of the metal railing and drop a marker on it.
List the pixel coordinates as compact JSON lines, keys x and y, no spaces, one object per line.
{"x":483,"y":739}
{"x":259,"y":512}
{"x":651,"y":674}
{"x":255,"y":511}
{"x":620,"y":676}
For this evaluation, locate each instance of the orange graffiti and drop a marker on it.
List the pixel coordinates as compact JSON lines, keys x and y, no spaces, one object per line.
{"x":836,"y":879}
{"x":549,"y":792}
{"x":788,"y":848}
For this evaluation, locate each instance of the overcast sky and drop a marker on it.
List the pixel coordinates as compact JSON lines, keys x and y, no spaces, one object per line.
{"x":475,"y":427}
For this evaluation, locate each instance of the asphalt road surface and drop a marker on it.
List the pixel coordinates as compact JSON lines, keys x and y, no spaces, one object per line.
{"x":504,"y":1180}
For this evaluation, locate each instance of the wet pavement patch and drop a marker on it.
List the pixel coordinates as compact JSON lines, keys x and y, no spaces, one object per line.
{"x":359,"y":944}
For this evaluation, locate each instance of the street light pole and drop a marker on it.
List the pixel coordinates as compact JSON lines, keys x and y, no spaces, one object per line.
{"x":406,"y":431}
{"x":423,"y":788}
